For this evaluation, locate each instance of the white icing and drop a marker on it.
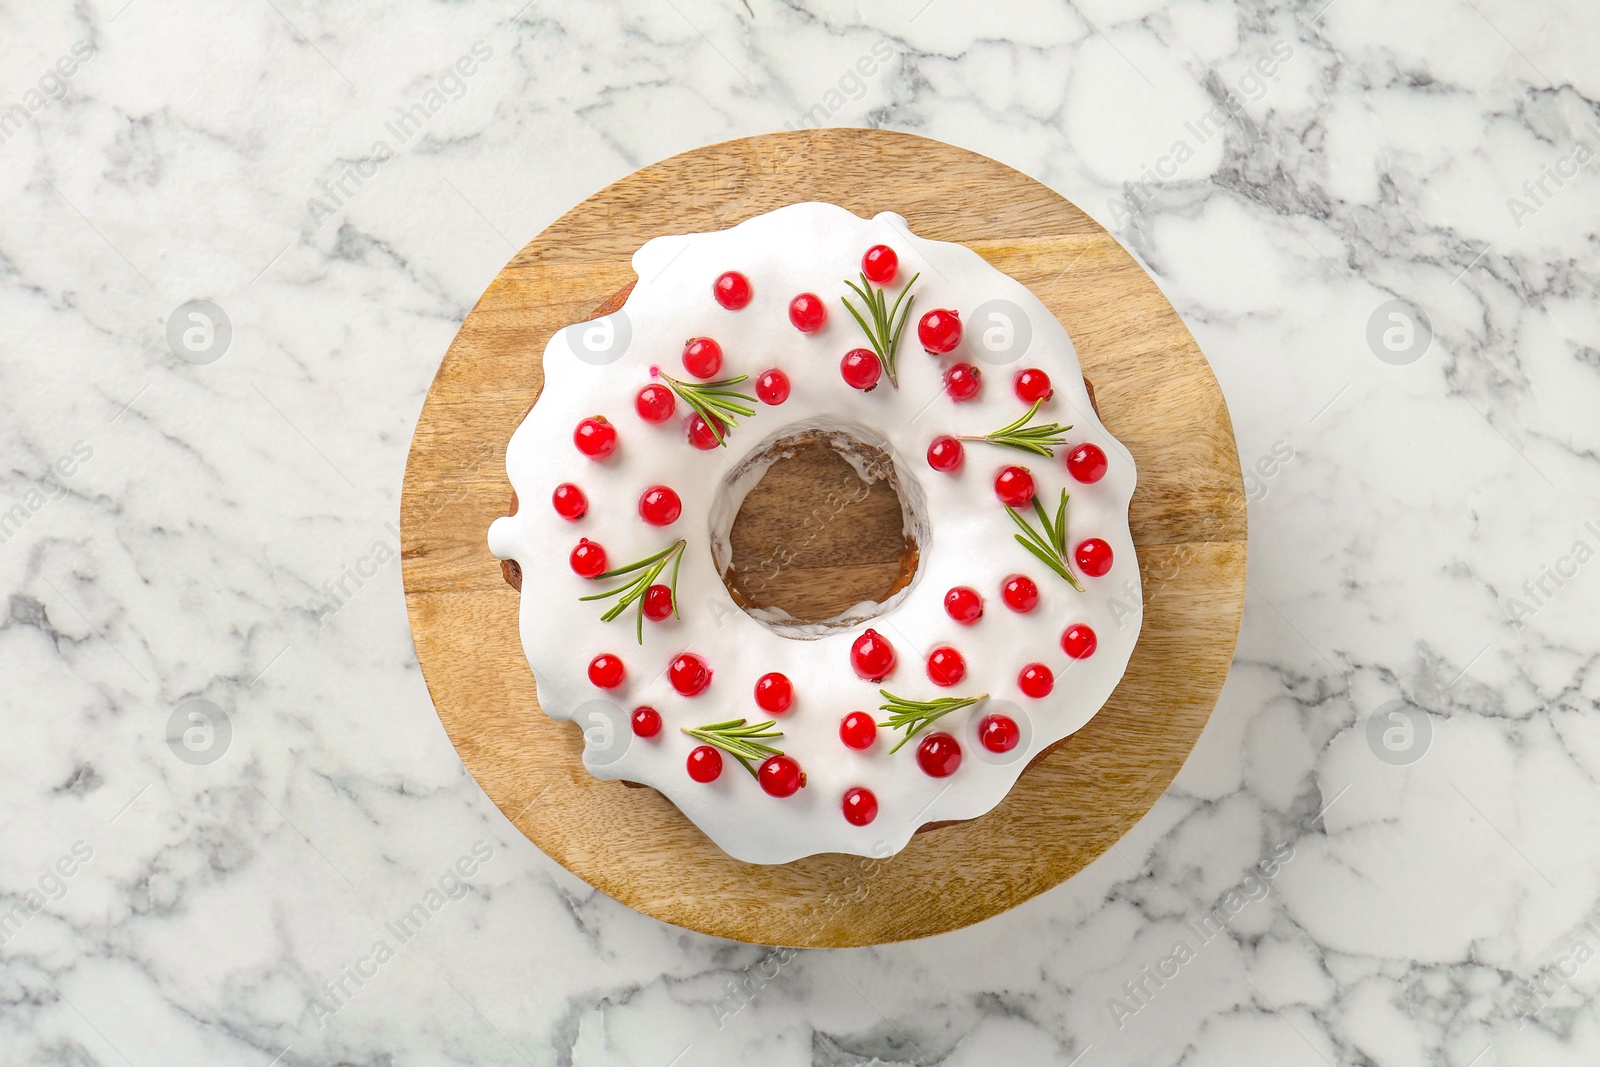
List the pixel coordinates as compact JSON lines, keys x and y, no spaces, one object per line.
{"x":968,"y":539}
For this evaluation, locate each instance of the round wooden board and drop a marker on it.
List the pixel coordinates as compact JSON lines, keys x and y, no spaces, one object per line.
{"x":1155,"y":393}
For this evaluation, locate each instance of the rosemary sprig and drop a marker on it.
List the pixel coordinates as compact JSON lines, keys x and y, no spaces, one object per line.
{"x":914,"y":716}
{"x":633,"y":591}
{"x":716,"y":402}
{"x":1041,"y":440}
{"x":884,"y":333}
{"x":740,"y":740}
{"x":1051,"y":545}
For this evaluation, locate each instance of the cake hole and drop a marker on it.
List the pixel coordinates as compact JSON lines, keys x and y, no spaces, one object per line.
{"x":825,"y":534}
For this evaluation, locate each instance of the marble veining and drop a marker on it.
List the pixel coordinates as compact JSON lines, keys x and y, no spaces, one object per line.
{"x":236,"y":241}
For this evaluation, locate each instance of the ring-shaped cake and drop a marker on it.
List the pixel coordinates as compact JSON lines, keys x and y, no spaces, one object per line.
{"x":920,"y":364}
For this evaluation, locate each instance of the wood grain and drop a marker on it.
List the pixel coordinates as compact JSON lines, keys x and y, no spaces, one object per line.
{"x":1155,"y":393}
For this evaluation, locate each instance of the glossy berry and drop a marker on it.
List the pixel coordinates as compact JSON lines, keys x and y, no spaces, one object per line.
{"x":880,"y":264}
{"x":595,"y":437}
{"x":732,"y":290}
{"x":1014,"y":486}
{"x":807,"y":312}
{"x":702,"y":357}
{"x":606,"y":671}
{"x":646,"y":722}
{"x":1032,"y":385}
{"x":773,"y":387}
{"x":774,"y":693}
{"x":660,"y":506}
{"x":860,"y":806}
{"x":998,"y":733}
{"x":569,"y":501}
{"x":657,"y":602}
{"x":872,"y":656}
{"x":1079,"y":641}
{"x":1036,"y":680}
{"x":861,"y":369}
{"x":655,"y":403}
{"x":1020,"y":593}
{"x":705,"y":764}
{"x":781,"y":776}
{"x":962,"y":382}
{"x":700,"y":434}
{"x":1087,"y":463}
{"x":857,"y":730}
{"x":945,"y":454}
{"x":689,"y":674}
{"x":963,"y":604}
{"x":946,"y":666}
{"x":588,"y":559}
{"x":1093,"y":557}
{"x":939,"y":755}
{"x":939,"y":331}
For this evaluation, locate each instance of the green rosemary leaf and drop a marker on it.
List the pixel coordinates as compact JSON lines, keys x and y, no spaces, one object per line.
{"x":631,"y":593}
{"x":674,"y":586}
{"x":857,"y":316}
{"x":1044,"y":557}
{"x":744,"y":741}
{"x":914,"y":716}
{"x":618,"y":571}
{"x":1041,"y":440}
{"x":884,"y":329}
{"x":1031,"y":534}
{"x":717,"y":403}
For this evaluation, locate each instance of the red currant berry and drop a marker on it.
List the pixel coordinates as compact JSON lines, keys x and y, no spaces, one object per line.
{"x":964,"y":605}
{"x":808,"y":312}
{"x":1036,"y":680}
{"x":880,"y":264}
{"x":860,"y":806}
{"x":999,"y":733}
{"x":939,"y":755}
{"x":857,"y":730}
{"x":689,"y":674}
{"x":939,"y":331}
{"x":702,"y":357}
{"x":1087,"y":463}
{"x":946,"y":666}
{"x":657,"y":602}
{"x":962,"y":382}
{"x":774,"y":693}
{"x":781,"y":776}
{"x":606,"y":671}
{"x":1020,"y":593}
{"x":773,"y":387}
{"x":701,"y":434}
{"x":1014,"y":486}
{"x":569,"y":501}
{"x":660,"y":506}
{"x":1032,"y":385}
{"x":945,"y":454}
{"x":705,"y":764}
{"x":646,"y":722}
{"x":872,"y":656}
{"x":655,"y":403}
{"x":1093,"y":557}
{"x":861,"y":369}
{"x":595,"y":437}
{"x":732,"y":290}
{"x":1079,"y":641}
{"x":588,"y":559}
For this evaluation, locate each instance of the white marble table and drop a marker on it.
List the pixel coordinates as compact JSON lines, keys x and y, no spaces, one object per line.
{"x":1409,"y":741}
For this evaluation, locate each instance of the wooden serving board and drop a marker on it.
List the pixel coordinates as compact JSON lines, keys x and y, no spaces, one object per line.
{"x":1155,"y":393}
